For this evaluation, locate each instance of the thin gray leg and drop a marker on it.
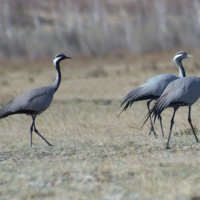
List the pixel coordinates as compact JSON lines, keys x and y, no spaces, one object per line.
{"x":161,"y":126}
{"x":31,"y":132}
{"x":151,"y":122}
{"x":171,"y":126}
{"x":190,"y":122}
{"x":37,"y":132}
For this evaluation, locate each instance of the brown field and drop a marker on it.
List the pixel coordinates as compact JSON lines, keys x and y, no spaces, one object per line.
{"x":96,"y":155}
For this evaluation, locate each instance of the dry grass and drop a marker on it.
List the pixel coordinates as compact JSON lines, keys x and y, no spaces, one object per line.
{"x":95,"y":155}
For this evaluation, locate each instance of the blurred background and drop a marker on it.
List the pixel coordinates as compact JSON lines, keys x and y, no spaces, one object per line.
{"x":37,"y":29}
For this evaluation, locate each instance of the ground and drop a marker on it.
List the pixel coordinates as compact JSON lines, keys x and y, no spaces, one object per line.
{"x":96,"y":155}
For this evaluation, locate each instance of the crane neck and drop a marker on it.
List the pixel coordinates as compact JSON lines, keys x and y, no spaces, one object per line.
{"x":181,"y":68}
{"x":56,"y":83}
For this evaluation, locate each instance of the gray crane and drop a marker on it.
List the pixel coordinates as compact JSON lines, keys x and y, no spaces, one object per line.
{"x":35,"y":101}
{"x":153,"y":88}
{"x":181,"y":92}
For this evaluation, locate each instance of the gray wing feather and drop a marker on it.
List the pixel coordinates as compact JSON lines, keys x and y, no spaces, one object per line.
{"x":185,"y":91}
{"x":131,"y":97}
{"x":34,"y":101}
{"x":152,"y":88}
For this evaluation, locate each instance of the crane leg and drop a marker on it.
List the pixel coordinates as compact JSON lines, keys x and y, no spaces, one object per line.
{"x":37,"y":132}
{"x":151,"y":122}
{"x":161,"y":126}
{"x":171,"y":126}
{"x":31,"y":132}
{"x":190,"y":122}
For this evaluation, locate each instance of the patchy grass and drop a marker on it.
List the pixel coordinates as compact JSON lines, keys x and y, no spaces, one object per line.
{"x":96,"y":155}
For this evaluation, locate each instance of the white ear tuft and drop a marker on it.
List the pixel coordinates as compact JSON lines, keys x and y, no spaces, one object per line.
{"x":55,"y":60}
{"x":177,"y":56}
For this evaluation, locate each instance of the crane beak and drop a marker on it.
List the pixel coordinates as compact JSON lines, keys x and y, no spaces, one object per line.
{"x":189,"y":56}
{"x":66,"y":57}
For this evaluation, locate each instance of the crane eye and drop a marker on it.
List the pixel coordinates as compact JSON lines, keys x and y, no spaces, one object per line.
{"x":59,"y":55}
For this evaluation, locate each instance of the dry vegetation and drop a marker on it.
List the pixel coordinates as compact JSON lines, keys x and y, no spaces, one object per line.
{"x":95,"y":155}
{"x":38,"y":28}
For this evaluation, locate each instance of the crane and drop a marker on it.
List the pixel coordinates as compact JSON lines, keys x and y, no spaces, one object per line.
{"x":35,"y":101}
{"x":181,"y":92}
{"x":153,"y":88}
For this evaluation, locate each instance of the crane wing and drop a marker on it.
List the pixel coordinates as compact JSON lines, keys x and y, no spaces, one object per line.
{"x":34,"y":101}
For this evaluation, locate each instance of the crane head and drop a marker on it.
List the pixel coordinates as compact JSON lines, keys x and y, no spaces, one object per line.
{"x":181,"y":55}
{"x":59,"y":57}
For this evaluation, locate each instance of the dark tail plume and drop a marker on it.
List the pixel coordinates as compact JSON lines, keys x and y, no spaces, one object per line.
{"x":6,"y":110}
{"x":129,"y":99}
{"x":154,"y":112}
{"x":4,"y":113}
{"x":146,"y":118}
